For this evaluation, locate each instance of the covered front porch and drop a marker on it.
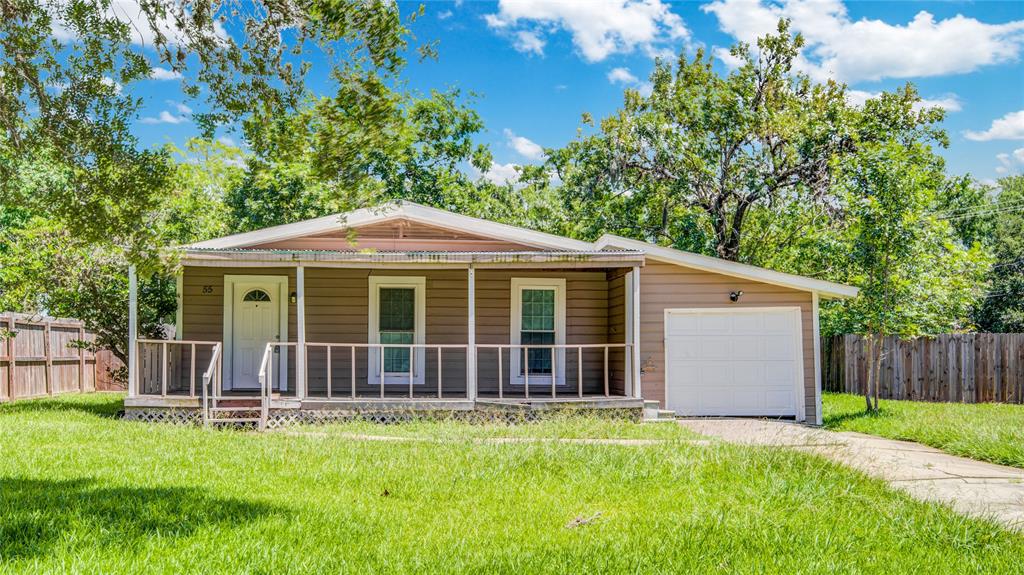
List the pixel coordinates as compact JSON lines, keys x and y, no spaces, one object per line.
{"x":333,"y":330}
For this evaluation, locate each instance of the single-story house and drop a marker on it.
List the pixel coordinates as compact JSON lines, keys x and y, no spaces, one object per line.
{"x":409,"y":307}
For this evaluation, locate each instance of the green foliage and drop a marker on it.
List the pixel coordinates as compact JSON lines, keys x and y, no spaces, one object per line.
{"x":194,"y":209}
{"x":686,"y":165}
{"x":47,"y":269}
{"x":67,"y":105}
{"x":82,"y":491}
{"x":1002,"y":310}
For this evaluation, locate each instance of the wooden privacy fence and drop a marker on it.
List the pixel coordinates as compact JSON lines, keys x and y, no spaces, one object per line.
{"x":968,"y":368}
{"x":40,"y":357}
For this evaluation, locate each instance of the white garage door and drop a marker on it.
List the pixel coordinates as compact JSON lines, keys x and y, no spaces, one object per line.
{"x":733,"y":361}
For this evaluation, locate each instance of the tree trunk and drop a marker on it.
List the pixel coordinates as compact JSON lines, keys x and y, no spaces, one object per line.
{"x":868,"y":382}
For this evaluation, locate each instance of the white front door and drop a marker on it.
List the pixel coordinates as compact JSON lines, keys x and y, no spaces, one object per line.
{"x":255,"y":321}
{"x":734,"y":361}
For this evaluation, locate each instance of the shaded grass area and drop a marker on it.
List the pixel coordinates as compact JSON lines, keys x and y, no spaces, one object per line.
{"x":985,"y":431}
{"x":82,"y":492}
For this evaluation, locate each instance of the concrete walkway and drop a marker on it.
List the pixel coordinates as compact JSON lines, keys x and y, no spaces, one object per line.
{"x":970,"y":487}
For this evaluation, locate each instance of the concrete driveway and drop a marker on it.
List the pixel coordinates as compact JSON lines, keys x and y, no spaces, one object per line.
{"x":971,"y":487}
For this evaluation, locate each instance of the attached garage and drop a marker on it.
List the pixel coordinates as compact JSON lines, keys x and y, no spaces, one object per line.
{"x":721,"y":338}
{"x":734,"y":361}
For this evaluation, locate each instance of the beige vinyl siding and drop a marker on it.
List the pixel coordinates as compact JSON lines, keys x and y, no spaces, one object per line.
{"x":617,"y":329}
{"x":665,"y":286}
{"x":203,"y":308}
{"x":586,"y":322}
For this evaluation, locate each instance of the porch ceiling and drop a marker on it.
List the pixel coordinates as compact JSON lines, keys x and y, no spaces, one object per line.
{"x":267,"y":257}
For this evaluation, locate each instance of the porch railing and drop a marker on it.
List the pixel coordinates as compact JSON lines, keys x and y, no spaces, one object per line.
{"x":161,"y":365}
{"x":556,"y":350}
{"x":379,"y":379}
{"x":211,"y":381}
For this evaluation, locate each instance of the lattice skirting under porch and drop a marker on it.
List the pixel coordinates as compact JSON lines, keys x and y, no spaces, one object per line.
{"x":279,"y":418}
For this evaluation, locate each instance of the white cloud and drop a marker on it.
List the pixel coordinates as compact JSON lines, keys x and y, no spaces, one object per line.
{"x":108,"y":81}
{"x":857,"y":50}
{"x":129,"y":11}
{"x":621,"y":76}
{"x":165,"y":117}
{"x":599,"y":28}
{"x":1009,"y":127}
{"x":181,"y":108}
{"x":157,"y":73}
{"x":500,"y":173}
{"x":626,"y":78}
{"x":948,"y":102}
{"x":524,"y":146}
{"x":444,"y":14}
{"x":1013,"y":161}
{"x":528,"y":42}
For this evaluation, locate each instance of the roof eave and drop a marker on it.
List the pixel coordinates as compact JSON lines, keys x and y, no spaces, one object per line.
{"x":826,"y":289}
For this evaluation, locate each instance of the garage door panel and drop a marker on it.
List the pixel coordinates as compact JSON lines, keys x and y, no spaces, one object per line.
{"x":686,"y":347}
{"x":748,"y":373}
{"x":747,"y":347}
{"x":778,"y":400}
{"x":714,"y":373}
{"x":777,"y":323}
{"x":687,"y":325}
{"x":779,"y":345}
{"x":732,"y":363}
{"x":779,"y":372}
{"x":715,"y":347}
{"x":715,"y":324}
{"x":748,"y":323}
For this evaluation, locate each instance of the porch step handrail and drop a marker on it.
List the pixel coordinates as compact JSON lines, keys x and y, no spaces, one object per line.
{"x":381,"y":346}
{"x":579,"y":347}
{"x":212,"y":375}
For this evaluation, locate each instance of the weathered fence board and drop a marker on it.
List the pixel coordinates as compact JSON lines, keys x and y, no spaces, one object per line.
{"x":40,"y":357}
{"x":968,"y":368}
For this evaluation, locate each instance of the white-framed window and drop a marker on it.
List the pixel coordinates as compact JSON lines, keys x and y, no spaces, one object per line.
{"x":538,"y":318}
{"x":397,"y":316}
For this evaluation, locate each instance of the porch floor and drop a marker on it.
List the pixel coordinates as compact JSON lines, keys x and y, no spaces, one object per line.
{"x":399,"y":403}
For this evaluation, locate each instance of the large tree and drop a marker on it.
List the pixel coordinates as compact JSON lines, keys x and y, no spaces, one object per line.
{"x":711,"y":144}
{"x":1002,"y":309}
{"x":69,"y":69}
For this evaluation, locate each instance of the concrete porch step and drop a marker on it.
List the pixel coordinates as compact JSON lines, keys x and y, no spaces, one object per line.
{"x":654,"y":413}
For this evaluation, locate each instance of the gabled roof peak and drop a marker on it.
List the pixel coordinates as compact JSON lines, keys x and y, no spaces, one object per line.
{"x":392,"y":210}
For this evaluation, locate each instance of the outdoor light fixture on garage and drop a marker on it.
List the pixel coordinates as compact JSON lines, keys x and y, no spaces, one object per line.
{"x":292,"y":297}
{"x":735,"y":296}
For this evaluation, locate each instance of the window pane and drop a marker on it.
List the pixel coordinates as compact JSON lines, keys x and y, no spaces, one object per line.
{"x":540,"y":359}
{"x":397,"y":309}
{"x":396,"y":359}
{"x":256,"y":295}
{"x":538,"y":309}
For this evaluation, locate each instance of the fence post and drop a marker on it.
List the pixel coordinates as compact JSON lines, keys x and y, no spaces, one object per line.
{"x":48,"y":355}
{"x":81,"y":358}
{"x":10,"y":357}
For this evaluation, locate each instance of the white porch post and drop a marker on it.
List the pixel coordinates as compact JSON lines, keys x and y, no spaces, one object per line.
{"x":817,"y":358}
{"x":300,"y":320}
{"x":635,"y":288}
{"x":471,"y":331}
{"x":133,"y":322}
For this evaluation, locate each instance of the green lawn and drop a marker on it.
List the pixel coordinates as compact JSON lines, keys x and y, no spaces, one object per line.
{"x":83,"y":492}
{"x":986,"y":431}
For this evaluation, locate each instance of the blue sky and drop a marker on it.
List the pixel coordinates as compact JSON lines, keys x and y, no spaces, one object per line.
{"x":537,"y":65}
